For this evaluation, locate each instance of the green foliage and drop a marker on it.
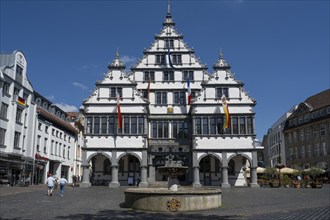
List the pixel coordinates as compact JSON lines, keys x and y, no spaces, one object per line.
{"x":271,"y":171}
{"x":313,"y":173}
{"x":286,"y":180}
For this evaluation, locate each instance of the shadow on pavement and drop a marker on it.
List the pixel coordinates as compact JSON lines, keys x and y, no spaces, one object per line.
{"x":131,"y":214}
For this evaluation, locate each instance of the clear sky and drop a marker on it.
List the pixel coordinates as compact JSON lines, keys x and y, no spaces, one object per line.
{"x":279,"y":49}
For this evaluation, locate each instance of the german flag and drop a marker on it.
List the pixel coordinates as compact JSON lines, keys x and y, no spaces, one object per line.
{"x":21,"y":101}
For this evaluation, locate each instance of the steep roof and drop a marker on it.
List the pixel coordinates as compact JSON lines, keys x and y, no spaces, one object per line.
{"x":319,"y":100}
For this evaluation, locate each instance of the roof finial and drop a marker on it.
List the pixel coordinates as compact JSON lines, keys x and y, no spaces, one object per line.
{"x":169,"y":7}
{"x":117,"y":54}
{"x":220,"y":54}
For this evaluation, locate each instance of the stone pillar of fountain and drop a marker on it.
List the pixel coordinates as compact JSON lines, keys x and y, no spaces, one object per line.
{"x":173,"y":183}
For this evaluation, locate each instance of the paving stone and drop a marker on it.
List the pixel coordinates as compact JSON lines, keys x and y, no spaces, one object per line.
{"x":107,"y":203}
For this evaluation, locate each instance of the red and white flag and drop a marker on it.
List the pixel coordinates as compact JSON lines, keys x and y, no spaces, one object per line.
{"x":189,"y":92}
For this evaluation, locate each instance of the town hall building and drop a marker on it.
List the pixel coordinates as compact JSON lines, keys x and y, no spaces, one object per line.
{"x":158,"y":119}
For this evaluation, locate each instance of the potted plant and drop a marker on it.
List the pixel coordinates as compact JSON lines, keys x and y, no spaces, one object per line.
{"x":297,"y":179}
{"x":272,"y":173}
{"x":286,"y":181}
{"x":314,"y":173}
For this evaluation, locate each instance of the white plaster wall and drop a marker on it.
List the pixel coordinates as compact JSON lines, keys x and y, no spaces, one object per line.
{"x":111,"y":142}
{"x":224,"y":143}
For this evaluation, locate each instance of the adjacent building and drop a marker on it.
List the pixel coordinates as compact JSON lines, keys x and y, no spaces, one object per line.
{"x":274,"y":144}
{"x":55,"y":142}
{"x":17,"y":119}
{"x":168,"y":104}
{"x":307,"y":133}
{"x":35,"y":137}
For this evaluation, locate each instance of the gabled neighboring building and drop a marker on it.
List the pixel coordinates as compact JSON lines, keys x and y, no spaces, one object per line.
{"x":17,"y":119}
{"x":169,"y":104}
{"x":307,"y":133}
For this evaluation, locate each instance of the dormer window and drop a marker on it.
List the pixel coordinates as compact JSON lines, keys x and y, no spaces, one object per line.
{"x":160,"y":59}
{"x":188,"y":74}
{"x":149,"y":75}
{"x":115,"y":90}
{"x":169,"y":43}
{"x":176,"y":59}
{"x":168,"y":76}
{"x":222,"y":91}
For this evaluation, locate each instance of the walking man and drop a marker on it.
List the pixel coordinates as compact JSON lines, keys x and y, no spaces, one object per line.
{"x":50,"y":184}
{"x":62,"y":182}
{"x":74,"y":180}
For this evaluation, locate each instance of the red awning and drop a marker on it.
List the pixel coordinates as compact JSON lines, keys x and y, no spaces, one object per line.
{"x":39,"y":157}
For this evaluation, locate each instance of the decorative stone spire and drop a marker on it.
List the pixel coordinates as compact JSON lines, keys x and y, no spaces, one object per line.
{"x":168,"y":20}
{"x":116,"y":63}
{"x":222,"y":63}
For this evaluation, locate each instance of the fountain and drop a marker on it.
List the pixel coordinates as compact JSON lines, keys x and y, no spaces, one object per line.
{"x":173,"y":198}
{"x":172,"y":170}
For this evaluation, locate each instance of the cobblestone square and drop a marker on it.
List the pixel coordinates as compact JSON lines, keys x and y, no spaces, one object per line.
{"x":106,"y":203}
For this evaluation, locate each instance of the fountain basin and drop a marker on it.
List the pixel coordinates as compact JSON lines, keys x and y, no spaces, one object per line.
{"x":163,"y":200}
{"x":172,"y":171}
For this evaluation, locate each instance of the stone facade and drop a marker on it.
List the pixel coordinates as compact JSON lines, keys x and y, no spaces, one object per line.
{"x":307,"y":133}
{"x":158,"y":120}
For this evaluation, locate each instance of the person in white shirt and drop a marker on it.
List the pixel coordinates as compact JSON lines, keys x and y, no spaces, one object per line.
{"x":62,"y":183}
{"x":50,"y":184}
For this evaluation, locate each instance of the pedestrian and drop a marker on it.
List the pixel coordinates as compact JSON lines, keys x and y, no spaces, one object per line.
{"x":56,"y":181}
{"x":74,"y":180}
{"x":62,"y":182}
{"x":50,"y":184}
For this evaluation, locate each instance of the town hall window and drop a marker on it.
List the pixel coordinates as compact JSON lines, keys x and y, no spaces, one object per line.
{"x":159,"y":129}
{"x":222,"y":91}
{"x":114,"y":91}
{"x":149,"y":75}
{"x":169,"y":43}
{"x":112,"y":125}
{"x":96,"y":125}
{"x":168,"y":76}
{"x":176,"y":59}
{"x":180,"y":129}
{"x":188,"y":74}
{"x":160,"y":59}
{"x":104,"y":125}
{"x":141,"y":125}
{"x":179,"y":98}
{"x":161,"y":98}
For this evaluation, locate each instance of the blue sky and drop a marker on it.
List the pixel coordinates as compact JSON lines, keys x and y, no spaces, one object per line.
{"x":279,"y":49}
